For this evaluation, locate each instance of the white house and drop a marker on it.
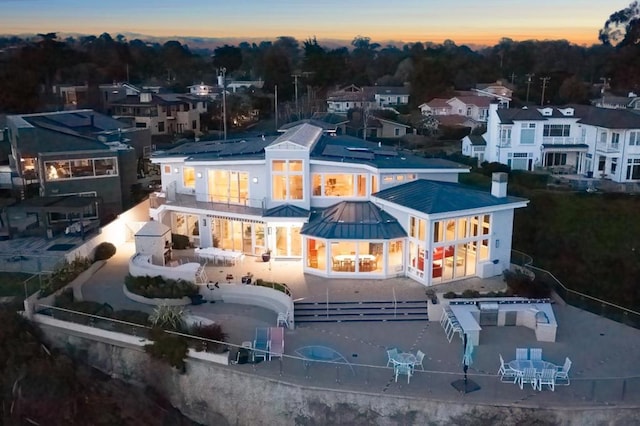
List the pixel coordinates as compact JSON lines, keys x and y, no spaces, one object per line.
{"x":368,"y":97}
{"x":579,"y":139}
{"x":345,"y":207}
{"x":471,"y":108}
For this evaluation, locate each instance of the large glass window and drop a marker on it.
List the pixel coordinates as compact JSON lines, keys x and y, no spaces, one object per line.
{"x":81,"y":168}
{"x":287,"y":180}
{"x":556,"y":130}
{"x":189,"y":177}
{"x":634,"y":138}
{"x":417,"y":228}
{"x":227,"y":186}
{"x":528,"y":133}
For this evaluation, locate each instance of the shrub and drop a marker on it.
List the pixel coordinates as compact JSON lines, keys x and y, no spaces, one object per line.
{"x":450,"y":295}
{"x":159,"y":287}
{"x":168,"y":318}
{"x":104,"y":251}
{"x":180,"y":242}
{"x":63,"y":275}
{"x":470,"y":294}
{"x":274,"y":285}
{"x":210,"y":332}
{"x":168,"y":348}
{"x":130,"y":316}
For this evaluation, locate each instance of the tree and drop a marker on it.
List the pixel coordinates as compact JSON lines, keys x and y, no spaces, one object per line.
{"x":229,"y":57}
{"x":623,"y":27}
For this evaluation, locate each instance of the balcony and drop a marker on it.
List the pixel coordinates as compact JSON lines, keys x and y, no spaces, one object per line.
{"x":560,"y":140}
{"x":248,"y":206}
{"x":607,"y":147}
{"x":504,"y":143}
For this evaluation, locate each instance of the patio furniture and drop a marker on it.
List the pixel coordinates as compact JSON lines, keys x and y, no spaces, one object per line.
{"x":506,"y":373}
{"x":522,"y":354}
{"x":528,"y":376}
{"x":403,"y":369}
{"x":419,"y":358}
{"x":391,"y":356}
{"x":535,"y":354}
{"x":261,"y":343}
{"x":276,"y":342}
{"x":521,"y":365}
{"x":548,"y":377}
{"x":562,"y":373}
{"x":283,"y":319}
{"x":406,"y":359}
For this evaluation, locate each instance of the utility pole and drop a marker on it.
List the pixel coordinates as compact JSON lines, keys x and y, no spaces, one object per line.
{"x":513,"y":77}
{"x":295,"y":79}
{"x":545,"y":80}
{"x":221,"y":82}
{"x":605,"y":86}
{"x":528,"y":84}
{"x":276,"y":105}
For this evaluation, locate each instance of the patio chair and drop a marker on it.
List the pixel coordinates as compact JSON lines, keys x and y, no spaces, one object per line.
{"x":563,"y":372}
{"x":528,"y":376}
{"x":403,"y":369}
{"x":548,"y":377}
{"x":283,"y":319}
{"x":276,"y":342}
{"x":506,"y":373}
{"x":535,"y":354}
{"x":391,"y":356}
{"x":419,"y":358}
{"x":261,"y":343}
{"x":522,"y":354}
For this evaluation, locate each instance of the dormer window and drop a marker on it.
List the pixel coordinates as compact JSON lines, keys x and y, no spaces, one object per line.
{"x":547,"y":112}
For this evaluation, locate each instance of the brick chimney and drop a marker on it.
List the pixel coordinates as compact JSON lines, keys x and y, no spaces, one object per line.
{"x":499,"y":184}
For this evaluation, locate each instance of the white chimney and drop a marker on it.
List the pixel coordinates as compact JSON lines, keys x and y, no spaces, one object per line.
{"x":145,"y":97}
{"x":499,"y":184}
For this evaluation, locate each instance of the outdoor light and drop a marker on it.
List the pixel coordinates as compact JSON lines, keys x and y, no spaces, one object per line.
{"x":255,"y":180}
{"x":199,"y":175}
{"x":175,"y":170}
{"x":497,"y":243}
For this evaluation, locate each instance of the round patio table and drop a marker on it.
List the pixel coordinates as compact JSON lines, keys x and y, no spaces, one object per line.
{"x":405,"y":358}
{"x":520,"y":365}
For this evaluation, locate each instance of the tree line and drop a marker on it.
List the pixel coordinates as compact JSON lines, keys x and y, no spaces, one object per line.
{"x":30,"y":67}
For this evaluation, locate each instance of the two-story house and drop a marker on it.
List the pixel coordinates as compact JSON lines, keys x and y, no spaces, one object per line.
{"x":368,"y":97}
{"x":472,"y":107}
{"x":162,"y":114}
{"x":345,"y":207}
{"x":74,"y":153}
{"x":580,"y":139}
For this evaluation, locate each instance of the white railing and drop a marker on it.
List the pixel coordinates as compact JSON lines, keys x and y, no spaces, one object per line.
{"x":559,"y":140}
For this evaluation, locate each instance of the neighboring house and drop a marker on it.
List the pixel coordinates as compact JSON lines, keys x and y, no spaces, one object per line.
{"x":345,"y":207}
{"x":241,"y":84}
{"x":580,"y":139}
{"x":73,"y":153}
{"x":607,"y":100}
{"x":162,"y":114}
{"x":474,"y":146}
{"x":475,"y":108}
{"x":203,"y":90}
{"x":499,"y":90}
{"x":368,"y":97}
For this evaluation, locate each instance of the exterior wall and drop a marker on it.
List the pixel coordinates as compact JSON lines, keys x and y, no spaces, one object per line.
{"x":293,"y":152}
{"x":389,"y":131}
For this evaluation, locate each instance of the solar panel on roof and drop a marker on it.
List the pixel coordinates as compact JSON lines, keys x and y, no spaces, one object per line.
{"x":70,"y":120}
{"x":386,"y":153}
{"x":340,"y":151}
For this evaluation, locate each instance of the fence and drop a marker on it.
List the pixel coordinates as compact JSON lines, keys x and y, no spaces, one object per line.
{"x":575,"y":298}
{"x":349,"y":375}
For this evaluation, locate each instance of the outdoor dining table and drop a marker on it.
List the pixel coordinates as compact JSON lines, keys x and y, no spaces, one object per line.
{"x":405,"y":358}
{"x":214,"y":253}
{"x":520,"y":365}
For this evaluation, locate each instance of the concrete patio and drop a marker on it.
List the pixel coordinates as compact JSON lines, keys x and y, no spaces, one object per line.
{"x":604,"y":353}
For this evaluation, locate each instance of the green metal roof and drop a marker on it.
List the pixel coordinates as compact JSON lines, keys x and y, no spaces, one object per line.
{"x":286,"y":210}
{"x":353,"y":220}
{"x":432,"y":197}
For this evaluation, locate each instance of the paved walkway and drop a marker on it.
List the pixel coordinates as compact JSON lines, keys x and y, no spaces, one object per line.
{"x":605,"y":354}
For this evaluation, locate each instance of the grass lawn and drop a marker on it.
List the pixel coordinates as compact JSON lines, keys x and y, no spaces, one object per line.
{"x":11,"y":284}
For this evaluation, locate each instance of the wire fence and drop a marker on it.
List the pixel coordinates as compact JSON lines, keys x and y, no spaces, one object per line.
{"x":349,"y":374}
{"x":575,"y":298}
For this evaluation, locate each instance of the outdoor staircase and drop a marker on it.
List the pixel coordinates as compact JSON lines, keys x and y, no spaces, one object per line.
{"x":373,"y":311}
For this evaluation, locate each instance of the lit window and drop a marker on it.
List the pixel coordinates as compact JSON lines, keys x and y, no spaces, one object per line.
{"x":189,"y":177}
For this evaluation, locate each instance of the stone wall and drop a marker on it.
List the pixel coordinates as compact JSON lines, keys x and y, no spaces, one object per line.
{"x":220,"y":395}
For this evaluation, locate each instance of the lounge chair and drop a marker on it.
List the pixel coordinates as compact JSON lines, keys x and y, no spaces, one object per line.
{"x":391,"y":355}
{"x":563,"y":372}
{"x":548,"y":377}
{"x":535,"y":354}
{"x":261,"y":343}
{"x":419,"y":358}
{"x":276,"y":342}
{"x":506,"y":373}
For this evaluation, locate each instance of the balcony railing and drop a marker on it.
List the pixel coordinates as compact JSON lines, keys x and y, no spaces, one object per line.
{"x":560,"y":140}
{"x":251,"y":206}
{"x":607,"y":147}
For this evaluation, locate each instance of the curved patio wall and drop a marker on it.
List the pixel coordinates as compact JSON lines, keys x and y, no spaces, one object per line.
{"x":183,"y":301}
{"x":210,"y":393}
{"x":140,"y":265}
{"x":255,"y":295}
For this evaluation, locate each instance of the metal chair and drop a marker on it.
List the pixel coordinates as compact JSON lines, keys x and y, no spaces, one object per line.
{"x":403,"y":369}
{"x":535,"y":354}
{"x":563,"y":372}
{"x":391,"y":355}
{"x":507,"y":374}
{"x":522,"y":354}
{"x":548,"y":377}
{"x":528,"y":376}
{"x":419,"y":358}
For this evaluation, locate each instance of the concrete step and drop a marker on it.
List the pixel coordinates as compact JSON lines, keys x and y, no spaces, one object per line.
{"x":360,"y":311}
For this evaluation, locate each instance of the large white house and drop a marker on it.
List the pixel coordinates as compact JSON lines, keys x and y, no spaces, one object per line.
{"x":345,"y":207}
{"x":579,"y":139}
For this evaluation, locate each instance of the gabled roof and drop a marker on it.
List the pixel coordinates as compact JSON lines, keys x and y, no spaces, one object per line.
{"x":326,"y":127}
{"x":479,"y":101}
{"x":153,"y":228}
{"x":286,"y":210}
{"x":585,"y":114}
{"x":353,"y":220}
{"x":437,"y":103}
{"x":432,"y":197}
{"x":390,"y":90}
{"x":329,"y":117}
{"x":304,"y":135}
{"x":477,"y":140}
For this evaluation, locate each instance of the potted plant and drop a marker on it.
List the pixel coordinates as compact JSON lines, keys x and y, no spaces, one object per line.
{"x":266,"y":256}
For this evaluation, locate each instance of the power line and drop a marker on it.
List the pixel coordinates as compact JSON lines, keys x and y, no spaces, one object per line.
{"x":545,"y":80}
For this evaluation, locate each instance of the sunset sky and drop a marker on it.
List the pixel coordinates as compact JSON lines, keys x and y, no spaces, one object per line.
{"x":463,"y":21}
